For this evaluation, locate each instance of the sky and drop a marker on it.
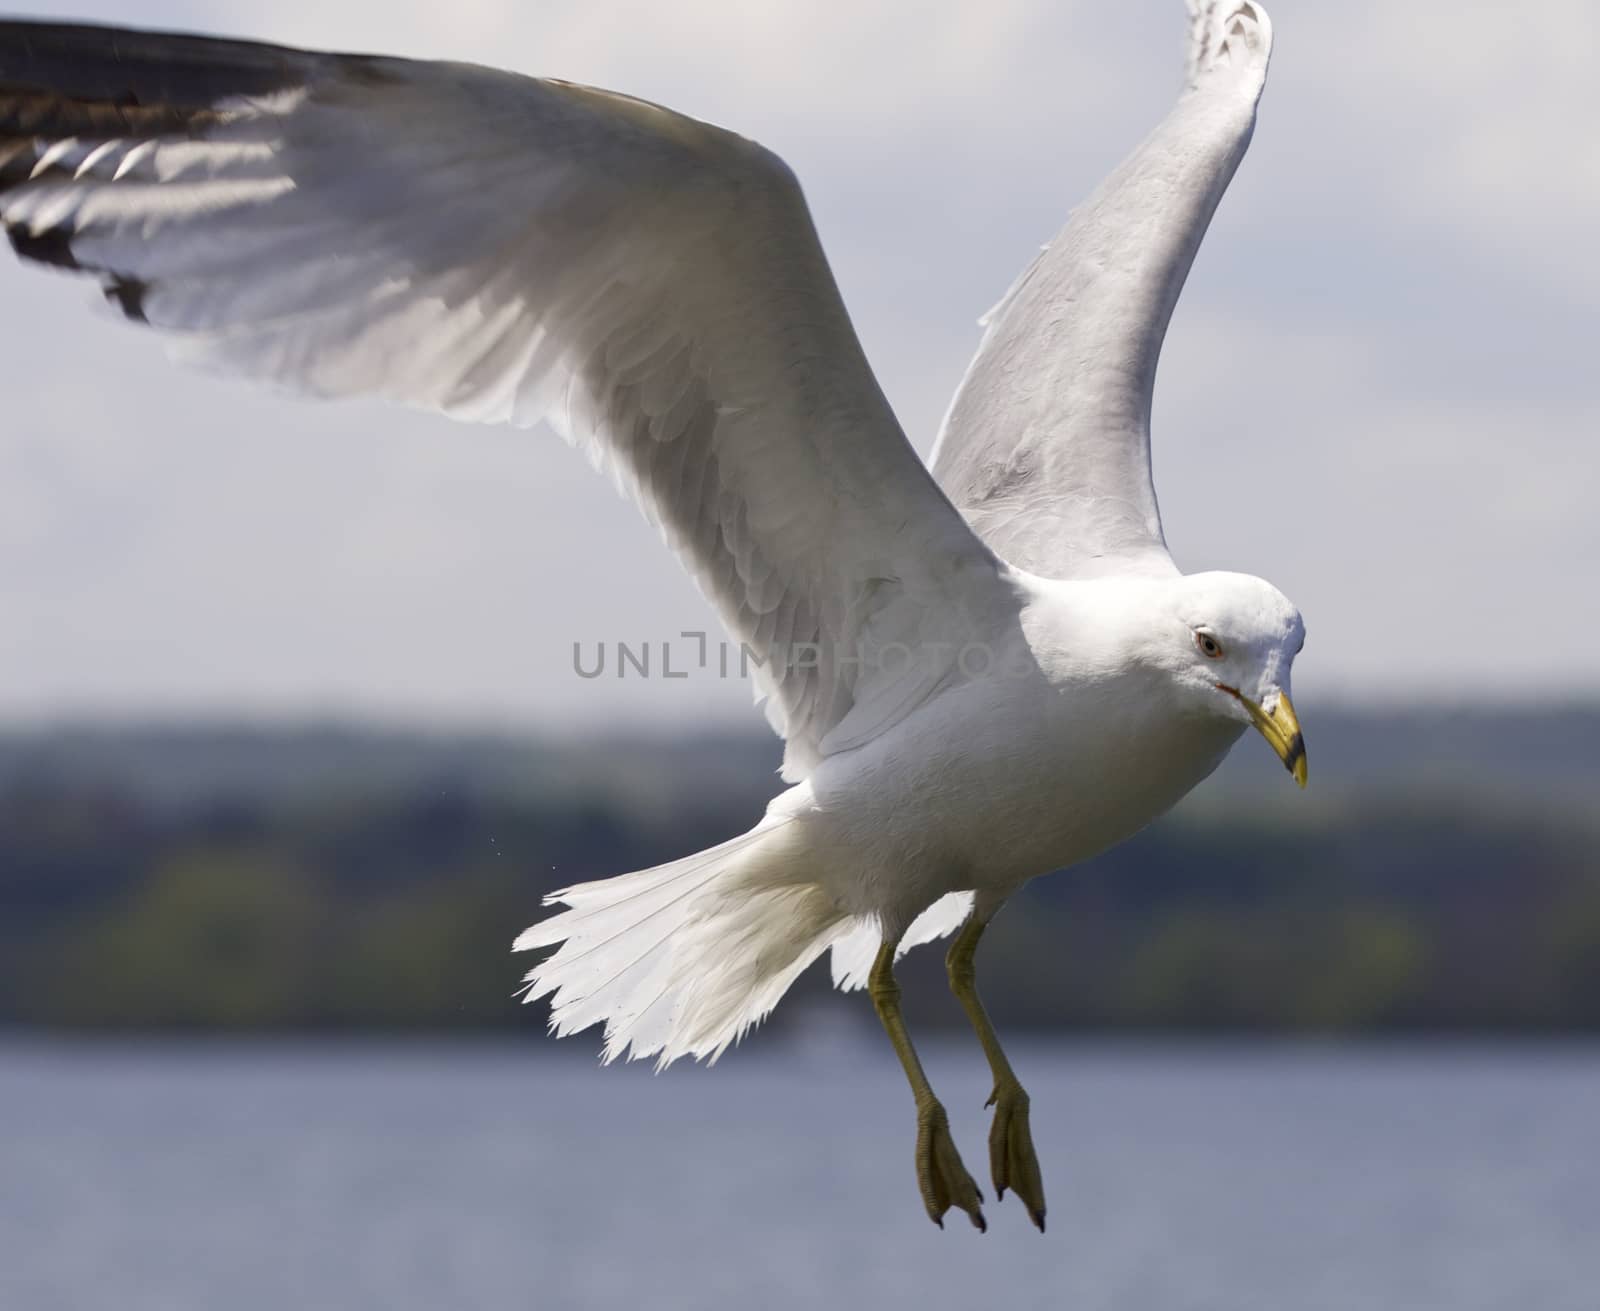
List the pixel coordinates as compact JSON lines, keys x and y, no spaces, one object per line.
{"x":1377,"y":390}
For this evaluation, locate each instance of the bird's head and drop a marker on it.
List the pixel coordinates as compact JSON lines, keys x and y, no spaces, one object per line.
{"x":1229,"y":641}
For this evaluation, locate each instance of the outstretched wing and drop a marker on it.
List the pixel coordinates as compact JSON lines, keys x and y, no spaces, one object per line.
{"x":1046,"y":447}
{"x":507,"y":249}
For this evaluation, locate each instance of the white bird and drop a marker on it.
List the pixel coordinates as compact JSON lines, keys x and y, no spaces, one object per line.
{"x":981,"y":673}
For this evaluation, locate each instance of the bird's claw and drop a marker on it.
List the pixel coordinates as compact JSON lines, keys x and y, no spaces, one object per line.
{"x":1012,"y":1161}
{"x":941,"y":1176}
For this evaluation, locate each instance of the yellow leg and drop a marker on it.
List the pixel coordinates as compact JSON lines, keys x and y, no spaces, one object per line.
{"x":941,"y":1176}
{"x":1012,"y":1161}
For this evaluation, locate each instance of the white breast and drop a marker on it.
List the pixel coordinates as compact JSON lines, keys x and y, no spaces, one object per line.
{"x":998,"y":782}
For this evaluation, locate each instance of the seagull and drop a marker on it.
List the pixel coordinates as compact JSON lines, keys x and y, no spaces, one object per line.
{"x":982,"y":671}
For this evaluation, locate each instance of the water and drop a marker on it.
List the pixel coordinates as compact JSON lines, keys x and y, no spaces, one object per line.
{"x":350,"y":1176}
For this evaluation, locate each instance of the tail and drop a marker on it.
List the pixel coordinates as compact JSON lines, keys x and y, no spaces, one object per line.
{"x":857,"y":945}
{"x":682,"y":959}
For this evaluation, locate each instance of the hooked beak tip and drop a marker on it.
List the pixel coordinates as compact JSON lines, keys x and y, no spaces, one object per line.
{"x":1295,"y":761}
{"x":1280,"y":726}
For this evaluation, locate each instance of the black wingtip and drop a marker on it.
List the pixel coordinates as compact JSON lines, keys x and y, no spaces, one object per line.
{"x":16,"y":162}
{"x":52,"y":247}
{"x":128,"y":294}
{"x":157,"y":80}
{"x":135,"y":68}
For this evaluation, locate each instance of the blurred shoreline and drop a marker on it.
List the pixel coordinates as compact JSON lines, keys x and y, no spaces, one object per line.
{"x":1442,"y":876}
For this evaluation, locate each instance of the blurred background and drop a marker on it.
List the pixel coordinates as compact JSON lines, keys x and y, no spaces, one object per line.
{"x":292,"y":738}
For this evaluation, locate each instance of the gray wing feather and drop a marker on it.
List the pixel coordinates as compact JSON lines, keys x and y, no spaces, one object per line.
{"x":1046,"y":447}
{"x":508,"y":249}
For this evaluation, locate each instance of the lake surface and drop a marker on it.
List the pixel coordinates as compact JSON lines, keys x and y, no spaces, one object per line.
{"x":226,"y":1177}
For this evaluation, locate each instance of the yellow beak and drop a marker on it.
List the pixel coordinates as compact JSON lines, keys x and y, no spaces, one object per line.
{"x":1281,"y":728}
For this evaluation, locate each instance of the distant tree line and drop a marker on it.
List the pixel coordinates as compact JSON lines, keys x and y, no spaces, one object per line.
{"x":359,"y":906}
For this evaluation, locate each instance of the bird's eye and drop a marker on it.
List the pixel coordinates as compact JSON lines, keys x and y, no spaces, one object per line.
{"x":1209,"y":646}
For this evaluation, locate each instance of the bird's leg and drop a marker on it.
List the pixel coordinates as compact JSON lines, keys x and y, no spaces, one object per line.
{"x":1012,"y":1162}
{"x":944,"y":1181}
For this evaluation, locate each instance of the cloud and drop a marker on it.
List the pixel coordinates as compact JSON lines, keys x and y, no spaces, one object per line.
{"x":1389,"y":323}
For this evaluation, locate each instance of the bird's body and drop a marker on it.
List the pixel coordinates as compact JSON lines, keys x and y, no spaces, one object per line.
{"x":990,"y":785}
{"x":983,"y":671}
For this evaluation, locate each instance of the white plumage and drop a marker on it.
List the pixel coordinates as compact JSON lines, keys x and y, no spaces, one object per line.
{"x":978,"y":679}
{"x":1046,"y":447}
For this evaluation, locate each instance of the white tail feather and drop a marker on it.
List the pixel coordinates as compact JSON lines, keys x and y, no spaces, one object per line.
{"x":854,"y":949}
{"x":682,"y":959}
